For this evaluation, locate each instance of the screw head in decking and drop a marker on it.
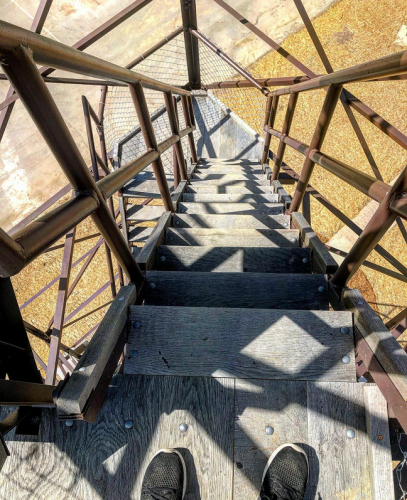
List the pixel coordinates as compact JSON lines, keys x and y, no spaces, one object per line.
{"x":321,"y":289}
{"x":269,"y":430}
{"x":128,"y":424}
{"x":344,"y":329}
{"x":69,"y":423}
{"x":183,"y":427}
{"x":350,"y":433}
{"x":346,"y":360}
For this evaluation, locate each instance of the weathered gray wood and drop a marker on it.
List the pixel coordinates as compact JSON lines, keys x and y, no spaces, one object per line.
{"x":141,"y":213}
{"x":381,"y":476}
{"x":236,"y":238}
{"x":209,"y":176}
{"x":228,"y":161}
{"x":107,"y":461}
{"x":259,"y":404}
{"x":230,"y":198}
{"x":254,"y":209}
{"x":139,"y":234}
{"x":229,"y":189}
{"x":79,"y":387}
{"x":283,"y":196}
{"x":324,"y":262}
{"x":333,"y":409}
{"x":229,"y":169}
{"x":230,"y":180}
{"x":231,"y":221}
{"x":387,"y":350}
{"x":147,"y":255}
{"x":250,"y":290}
{"x":179,"y":193}
{"x":234,"y":259}
{"x":242,"y":343}
{"x":144,"y":189}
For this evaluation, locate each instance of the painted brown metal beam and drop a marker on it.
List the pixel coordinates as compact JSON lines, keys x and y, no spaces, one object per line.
{"x":189,"y":22}
{"x":263,"y":82}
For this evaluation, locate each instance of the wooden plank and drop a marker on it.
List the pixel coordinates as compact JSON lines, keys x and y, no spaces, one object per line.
{"x":236,"y":181}
{"x":96,"y":461}
{"x":339,"y":466}
{"x":248,"y":188}
{"x":231,"y":221}
{"x":242,"y":343}
{"x":236,"y":238}
{"x":377,"y":426}
{"x":324,"y":262}
{"x":144,"y":189}
{"x":178,"y":194}
{"x":139,"y":234}
{"x":260,"y":404}
{"x":254,"y":209}
{"x":228,"y":169}
{"x":230,"y":198}
{"x":287,"y":291}
{"x":234,"y":259}
{"x":75,"y":394}
{"x":228,"y":177}
{"x":387,"y":350}
{"x":147,"y":255}
{"x":141,"y":213}
{"x":283,"y":196}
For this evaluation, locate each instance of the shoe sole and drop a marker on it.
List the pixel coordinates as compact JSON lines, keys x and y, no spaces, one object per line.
{"x":275,"y":453}
{"x":173,"y":450}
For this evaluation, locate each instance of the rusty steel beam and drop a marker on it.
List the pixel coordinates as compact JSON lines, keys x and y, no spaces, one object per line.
{"x":69,"y":81}
{"x":317,"y":140}
{"x":143,"y":115}
{"x":228,"y":60}
{"x":263,"y":82}
{"x":154,"y":48}
{"x":269,"y":119}
{"x":175,"y":163}
{"x":393,"y":322}
{"x":62,"y":297}
{"x":174,"y":126}
{"x":189,"y":22}
{"x":20,"y":68}
{"x":186,"y":109}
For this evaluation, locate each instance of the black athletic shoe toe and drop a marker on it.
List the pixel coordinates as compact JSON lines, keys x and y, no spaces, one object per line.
{"x":286,"y":474}
{"x":165,"y":477}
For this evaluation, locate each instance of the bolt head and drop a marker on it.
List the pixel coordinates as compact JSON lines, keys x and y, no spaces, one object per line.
{"x":136,"y":324}
{"x":182,"y":210}
{"x":360,"y":303}
{"x":321,"y":289}
{"x":152,"y":285}
{"x":350,"y":433}
{"x":344,"y":330}
{"x":294,"y":240}
{"x":162,"y":258}
{"x":128,"y":424}
{"x":121,"y":298}
{"x":69,"y":423}
{"x":304,"y":260}
{"x":133,"y":353}
{"x":183,"y":427}
{"x":269,"y":430}
{"x":177,"y":222}
{"x":285,"y":224}
{"x":82,"y":369}
{"x":362,"y":379}
{"x":346,"y":360}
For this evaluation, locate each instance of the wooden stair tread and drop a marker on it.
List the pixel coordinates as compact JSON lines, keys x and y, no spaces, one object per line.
{"x":139,"y":234}
{"x":230,"y":198}
{"x":233,"y":180}
{"x":144,"y":189}
{"x":251,"y":290}
{"x":232,"y":169}
{"x":241,"y":187}
{"x":233,"y":259}
{"x":253,"y":209}
{"x":140,"y":213}
{"x":231,"y":221}
{"x":241,"y":343}
{"x":238,"y":237}
{"x":213,"y":176}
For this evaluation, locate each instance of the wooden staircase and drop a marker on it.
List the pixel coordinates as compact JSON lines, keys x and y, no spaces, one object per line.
{"x":235,"y":338}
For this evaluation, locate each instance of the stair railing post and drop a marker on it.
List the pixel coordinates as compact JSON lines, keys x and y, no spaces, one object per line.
{"x":324,"y":120}
{"x":143,"y":114}
{"x":289,"y":116}
{"x":174,"y":153}
{"x":21,"y":70}
{"x":189,"y":21}
{"x":172,"y":116}
{"x":269,"y":119}
{"x":188,"y":110}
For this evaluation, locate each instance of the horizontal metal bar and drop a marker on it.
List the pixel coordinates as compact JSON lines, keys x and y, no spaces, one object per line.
{"x":155,"y":47}
{"x":391,"y":65}
{"x":186,"y":131}
{"x":72,"y":81}
{"x":15,"y":393}
{"x":368,"y":185}
{"x":167,"y":143}
{"x":60,"y":56}
{"x":263,"y":82}
{"x":399,"y":205}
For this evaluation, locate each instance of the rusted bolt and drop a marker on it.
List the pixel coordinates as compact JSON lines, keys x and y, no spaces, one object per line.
{"x":380,"y":438}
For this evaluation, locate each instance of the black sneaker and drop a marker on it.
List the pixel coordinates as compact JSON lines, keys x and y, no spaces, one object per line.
{"x":286,"y":474}
{"x":165,"y":477}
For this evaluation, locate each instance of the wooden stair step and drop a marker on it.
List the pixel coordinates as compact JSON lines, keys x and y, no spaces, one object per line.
{"x":249,"y":290}
{"x":241,"y":343}
{"x":234,"y":259}
{"x":231,"y":198}
{"x":230,"y":180}
{"x":247,"y":188}
{"x":144,"y":185}
{"x":230,"y":222}
{"x":226,"y":161}
{"x":212,"y":176}
{"x":231,"y":169}
{"x":236,"y":238}
{"x":140,"y":213}
{"x":253,"y":209}
{"x":139,"y":234}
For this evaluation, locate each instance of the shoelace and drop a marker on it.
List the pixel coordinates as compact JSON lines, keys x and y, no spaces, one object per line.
{"x":157,"y":493}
